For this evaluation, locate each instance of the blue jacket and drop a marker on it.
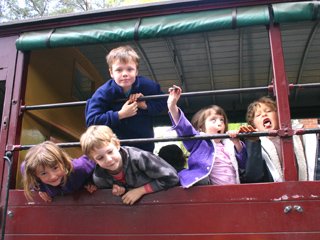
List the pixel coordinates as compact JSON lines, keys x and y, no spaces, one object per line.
{"x":102,"y":109}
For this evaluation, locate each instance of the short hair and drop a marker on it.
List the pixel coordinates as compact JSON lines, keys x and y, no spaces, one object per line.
{"x":97,"y":136}
{"x":199,"y":119}
{"x":252,"y":108}
{"x":124,"y":54}
{"x":46,"y":154}
{"x":173,"y":155}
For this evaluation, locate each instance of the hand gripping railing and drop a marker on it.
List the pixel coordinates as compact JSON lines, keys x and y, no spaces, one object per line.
{"x":281,"y":132}
{"x":188,"y":94}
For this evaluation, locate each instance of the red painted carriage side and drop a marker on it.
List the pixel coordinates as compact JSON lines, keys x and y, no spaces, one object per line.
{"x":287,"y":210}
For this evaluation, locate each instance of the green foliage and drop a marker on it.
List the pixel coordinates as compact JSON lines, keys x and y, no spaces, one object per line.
{"x":11,"y":10}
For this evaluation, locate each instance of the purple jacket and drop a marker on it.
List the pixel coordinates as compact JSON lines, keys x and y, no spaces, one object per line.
{"x":202,"y":155}
{"x":81,"y":174}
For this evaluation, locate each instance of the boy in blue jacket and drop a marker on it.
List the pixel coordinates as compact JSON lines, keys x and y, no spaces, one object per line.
{"x":132,"y":119}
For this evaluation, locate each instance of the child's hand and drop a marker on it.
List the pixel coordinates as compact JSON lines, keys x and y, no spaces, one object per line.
{"x":45,"y":196}
{"x":141,"y":104}
{"x":174,"y":95}
{"x":91,"y":188}
{"x":129,"y":109}
{"x":248,"y":129}
{"x":133,"y":195}
{"x":233,"y":135}
{"x":118,"y":190}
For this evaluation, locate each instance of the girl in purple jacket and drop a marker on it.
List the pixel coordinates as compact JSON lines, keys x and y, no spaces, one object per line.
{"x":49,"y":170}
{"x":213,"y":161}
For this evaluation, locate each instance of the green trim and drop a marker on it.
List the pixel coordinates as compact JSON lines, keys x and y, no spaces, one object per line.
{"x":166,"y":25}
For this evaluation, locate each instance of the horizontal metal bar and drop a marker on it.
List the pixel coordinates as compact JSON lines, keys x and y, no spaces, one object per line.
{"x":185,"y":138}
{"x":188,"y":94}
{"x":53,"y":105}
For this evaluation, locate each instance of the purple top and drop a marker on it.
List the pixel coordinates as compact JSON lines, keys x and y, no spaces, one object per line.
{"x":80,"y":175}
{"x":201,"y":153}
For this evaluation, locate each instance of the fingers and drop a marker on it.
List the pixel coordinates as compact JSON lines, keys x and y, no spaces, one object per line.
{"x":133,"y":195}
{"x":118,"y":190}
{"x":129,"y":109}
{"x":247,"y":128}
{"x":175,"y":89}
{"x":45,"y":197}
{"x":91,"y":188}
{"x":134,"y":97}
{"x":129,"y":199}
{"x":233,"y":133}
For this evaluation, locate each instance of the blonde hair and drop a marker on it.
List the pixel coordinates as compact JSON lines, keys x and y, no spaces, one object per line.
{"x":46,"y":154}
{"x":124,"y":54}
{"x":252,"y":108}
{"x":97,"y":136}
{"x":199,"y":119}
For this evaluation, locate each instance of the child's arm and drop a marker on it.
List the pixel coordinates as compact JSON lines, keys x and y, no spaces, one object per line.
{"x":91,"y":188}
{"x":236,"y":141}
{"x":140,"y":104}
{"x":161,"y":174}
{"x":174,"y":95}
{"x":118,"y":190}
{"x":45,"y":196}
{"x":133,"y":195}
{"x":255,"y":167}
{"x":100,"y":108}
{"x":129,"y":109}
{"x":147,"y":87}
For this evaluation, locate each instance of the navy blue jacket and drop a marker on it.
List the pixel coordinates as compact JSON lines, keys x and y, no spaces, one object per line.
{"x":102,"y":109}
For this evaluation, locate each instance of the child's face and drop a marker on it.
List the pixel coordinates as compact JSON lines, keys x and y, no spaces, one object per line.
{"x":265,"y":118}
{"x":108,"y":157}
{"x":124,"y":74}
{"x":215,"y":123}
{"x":51,"y":176}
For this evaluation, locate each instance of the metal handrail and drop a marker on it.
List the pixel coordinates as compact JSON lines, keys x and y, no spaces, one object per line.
{"x":188,"y":94}
{"x":280,"y":132}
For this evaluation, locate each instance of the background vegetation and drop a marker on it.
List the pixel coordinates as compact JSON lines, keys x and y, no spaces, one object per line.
{"x":13,"y":10}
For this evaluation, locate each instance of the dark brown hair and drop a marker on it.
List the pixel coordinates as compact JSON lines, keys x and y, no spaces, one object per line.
{"x":199,"y":119}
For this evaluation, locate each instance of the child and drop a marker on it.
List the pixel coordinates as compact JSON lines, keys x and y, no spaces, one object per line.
{"x":125,"y":168}
{"x":173,"y":155}
{"x":49,"y":170}
{"x":264,"y":162}
{"x":210,"y":161}
{"x":132,"y":119}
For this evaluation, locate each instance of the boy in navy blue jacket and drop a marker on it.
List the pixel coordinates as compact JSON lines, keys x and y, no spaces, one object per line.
{"x":132,"y":119}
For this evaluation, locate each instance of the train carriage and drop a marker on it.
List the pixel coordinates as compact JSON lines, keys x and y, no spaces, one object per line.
{"x":227,"y":53}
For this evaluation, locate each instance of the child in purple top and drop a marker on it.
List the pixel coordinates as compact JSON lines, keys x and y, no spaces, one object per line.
{"x":49,"y":170}
{"x":214,"y":161}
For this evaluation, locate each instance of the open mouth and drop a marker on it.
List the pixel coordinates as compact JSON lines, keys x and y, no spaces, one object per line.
{"x":267,"y":123}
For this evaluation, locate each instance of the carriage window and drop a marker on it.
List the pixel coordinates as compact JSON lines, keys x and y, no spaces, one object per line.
{"x":82,"y":83}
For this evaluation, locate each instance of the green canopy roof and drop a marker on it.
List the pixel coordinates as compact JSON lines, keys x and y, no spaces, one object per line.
{"x":167,"y":25}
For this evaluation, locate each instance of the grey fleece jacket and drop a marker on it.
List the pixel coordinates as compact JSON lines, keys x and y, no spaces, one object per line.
{"x":140,"y":167}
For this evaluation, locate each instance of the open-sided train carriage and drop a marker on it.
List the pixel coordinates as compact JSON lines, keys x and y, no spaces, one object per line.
{"x":227,"y":53}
